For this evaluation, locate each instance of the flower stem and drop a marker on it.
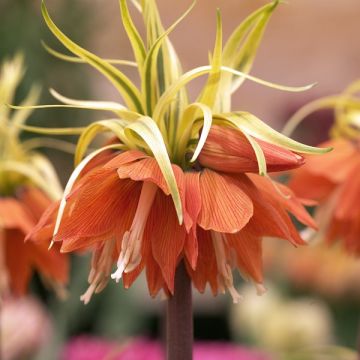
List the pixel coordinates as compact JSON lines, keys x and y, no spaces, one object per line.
{"x":179,"y":324}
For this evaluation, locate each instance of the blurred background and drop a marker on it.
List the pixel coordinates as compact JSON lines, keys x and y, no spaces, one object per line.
{"x":313,"y":297}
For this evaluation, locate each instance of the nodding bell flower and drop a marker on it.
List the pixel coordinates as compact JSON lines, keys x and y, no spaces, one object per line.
{"x":182,"y":180}
{"x":335,"y":180}
{"x":28,"y":186}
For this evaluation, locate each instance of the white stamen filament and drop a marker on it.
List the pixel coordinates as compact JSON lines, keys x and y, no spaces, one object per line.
{"x":130,"y":255}
{"x":100,"y":270}
{"x":225,"y":274}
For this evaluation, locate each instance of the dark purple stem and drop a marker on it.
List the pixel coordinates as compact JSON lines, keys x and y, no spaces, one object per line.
{"x":179,"y":322}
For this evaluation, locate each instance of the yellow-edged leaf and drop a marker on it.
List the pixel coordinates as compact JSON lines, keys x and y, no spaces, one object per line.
{"x":123,"y":84}
{"x":47,"y":142}
{"x":210,"y":90}
{"x":150,"y":76}
{"x":147,"y":129}
{"x":185,"y":129}
{"x":30,"y":173}
{"x":116,"y":126}
{"x":22,"y":114}
{"x":52,"y":131}
{"x":171,"y":92}
{"x":133,"y":35}
{"x":47,"y":171}
{"x":76,"y":59}
{"x":253,"y":126}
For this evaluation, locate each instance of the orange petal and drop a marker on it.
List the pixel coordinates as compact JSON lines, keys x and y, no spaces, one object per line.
{"x":17,"y":261}
{"x":225,"y":207}
{"x":310,"y":186}
{"x":335,"y":165}
{"x":50,"y":263}
{"x":45,"y":226}
{"x":124,"y":158}
{"x":228,"y":150}
{"x":34,"y":200}
{"x":269,"y":219}
{"x":348,"y":206}
{"x":13,"y":215}
{"x":287,"y":200}
{"x":167,"y":237}
{"x":192,"y":207}
{"x":206,"y":269}
{"x":96,"y":209}
{"x":248,"y":251}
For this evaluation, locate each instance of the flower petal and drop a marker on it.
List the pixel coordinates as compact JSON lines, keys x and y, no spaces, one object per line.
{"x":335,"y":165}
{"x":225,"y":207}
{"x":167,"y":237}
{"x":96,"y":209}
{"x":248,"y":251}
{"x":309,"y":185}
{"x":206,"y":269}
{"x":192,"y":208}
{"x":17,"y":261}
{"x":228,"y":150}
{"x":13,"y":215}
{"x":287,"y":200}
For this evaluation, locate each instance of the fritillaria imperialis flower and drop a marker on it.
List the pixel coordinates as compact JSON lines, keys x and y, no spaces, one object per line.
{"x":335,"y":180}
{"x":181,"y":181}
{"x":25,"y":194}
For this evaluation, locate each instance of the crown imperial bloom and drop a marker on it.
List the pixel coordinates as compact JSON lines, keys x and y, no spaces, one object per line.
{"x":334,"y":181}
{"x":25,"y":194}
{"x":180,"y":182}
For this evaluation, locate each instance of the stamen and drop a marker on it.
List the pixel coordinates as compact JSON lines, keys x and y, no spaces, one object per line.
{"x":260,"y":289}
{"x":225,"y":274}
{"x":100,"y":269}
{"x":130,"y":255}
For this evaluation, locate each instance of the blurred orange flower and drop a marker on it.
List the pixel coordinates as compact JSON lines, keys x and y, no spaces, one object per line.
{"x":18,"y":216}
{"x":28,"y":185}
{"x":334,"y":180}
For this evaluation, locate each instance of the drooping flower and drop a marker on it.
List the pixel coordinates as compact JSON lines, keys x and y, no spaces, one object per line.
{"x":28,"y":185}
{"x":335,"y":180}
{"x":182,"y":181}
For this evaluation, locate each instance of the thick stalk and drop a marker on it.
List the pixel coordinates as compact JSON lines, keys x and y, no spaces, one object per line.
{"x":179,"y":322}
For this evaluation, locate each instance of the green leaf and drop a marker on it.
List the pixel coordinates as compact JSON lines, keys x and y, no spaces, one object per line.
{"x":323,"y":103}
{"x":150,"y":76}
{"x":52,"y":131}
{"x":253,"y":126}
{"x":29,"y":171}
{"x":210,"y":90}
{"x":170,"y":94}
{"x":76,"y":59}
{"x":186,"y":126}
{"x":147,"y":129}
{"x":22,"y":114}
{"x":125,"y":87}
{"x":114,"y":107}
{"x":47,"y":171}
{"x":133,"y":35}
{"x":116,"y":126}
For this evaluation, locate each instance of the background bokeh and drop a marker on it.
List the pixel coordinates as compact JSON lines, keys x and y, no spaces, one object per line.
{"x":306,"y":41}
